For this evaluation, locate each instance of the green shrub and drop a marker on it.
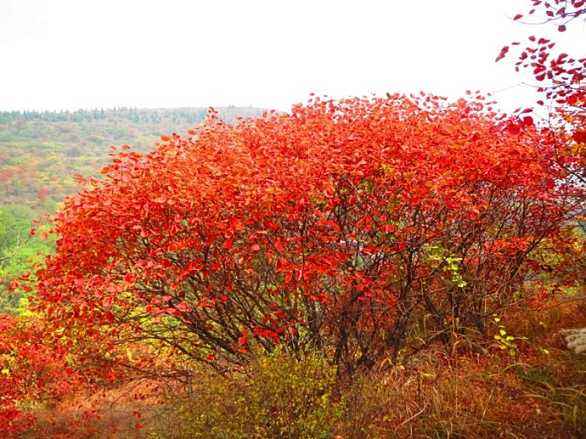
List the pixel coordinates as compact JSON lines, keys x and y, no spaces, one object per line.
{"x":275,"y":397}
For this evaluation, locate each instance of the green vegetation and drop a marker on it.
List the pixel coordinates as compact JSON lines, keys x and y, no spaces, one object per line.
{"x":276,"y":396}
{"x":19,"y":251}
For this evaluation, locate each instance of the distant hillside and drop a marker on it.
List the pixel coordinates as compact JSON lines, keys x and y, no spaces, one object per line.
{"x":41,"y":151}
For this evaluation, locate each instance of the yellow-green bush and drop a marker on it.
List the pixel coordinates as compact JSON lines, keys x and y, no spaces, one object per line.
{"x":275,"y":397}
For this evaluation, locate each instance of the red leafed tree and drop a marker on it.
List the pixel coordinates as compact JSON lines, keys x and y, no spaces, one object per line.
{"x":560,"y":77}
{"x":339,"y":226}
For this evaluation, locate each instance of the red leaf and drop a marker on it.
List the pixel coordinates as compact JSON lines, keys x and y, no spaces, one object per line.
{"x":513,"y":128}
{"x":580,"y":136}
{"x":502,"y":53}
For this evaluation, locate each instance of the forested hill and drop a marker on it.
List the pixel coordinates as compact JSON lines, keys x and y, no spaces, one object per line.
{"x":40,"y":152}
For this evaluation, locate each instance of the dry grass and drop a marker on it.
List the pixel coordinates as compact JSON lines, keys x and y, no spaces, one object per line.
{"x":118,"y":412}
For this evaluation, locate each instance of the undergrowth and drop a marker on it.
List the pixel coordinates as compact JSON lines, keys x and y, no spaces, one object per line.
{"x":537,"y":390}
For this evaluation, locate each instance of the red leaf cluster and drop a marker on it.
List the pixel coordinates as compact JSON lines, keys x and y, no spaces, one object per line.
{"x":560,"y":77}
{"x":32,"y":368}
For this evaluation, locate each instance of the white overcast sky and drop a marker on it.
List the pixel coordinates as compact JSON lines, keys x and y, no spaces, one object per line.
{"x":68,"y":54}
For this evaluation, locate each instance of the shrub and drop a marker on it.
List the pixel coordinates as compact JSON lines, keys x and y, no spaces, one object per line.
{"x":342,"y":227}
{"x":276,"y":396}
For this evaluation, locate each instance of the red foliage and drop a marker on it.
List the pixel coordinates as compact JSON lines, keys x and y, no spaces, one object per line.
{"x":341,"y":227}
{"x":561,"y":77}
{"x":31,"y":369}
{"x":333,"y":226}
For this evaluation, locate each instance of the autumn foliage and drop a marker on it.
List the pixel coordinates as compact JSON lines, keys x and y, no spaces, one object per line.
{"x":294,"y":252}
{"x":559,"y":77}
{"x":364,"y":228}
{"x":33,"y":370}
